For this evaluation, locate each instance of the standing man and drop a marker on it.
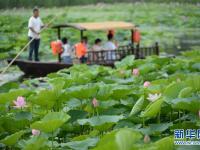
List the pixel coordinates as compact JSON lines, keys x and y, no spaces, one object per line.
{"x":35,"y":25}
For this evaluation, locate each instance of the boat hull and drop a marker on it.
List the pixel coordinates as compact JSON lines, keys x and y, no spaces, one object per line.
{"x":39,"y":69}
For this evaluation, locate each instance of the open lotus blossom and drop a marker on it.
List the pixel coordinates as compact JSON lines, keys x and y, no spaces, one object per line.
{"x":20,"y":102}
{"x":146,"y":84}
{"x":95,"y":102}
{"x":136,"y":72}
{"x":146,"y":139}
{"x":154,"y":97}
{"x":35,"y":132}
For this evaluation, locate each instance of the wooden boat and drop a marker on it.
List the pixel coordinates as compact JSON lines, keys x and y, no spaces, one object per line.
{"x":39,"y":69}
{"x":93,"y":57}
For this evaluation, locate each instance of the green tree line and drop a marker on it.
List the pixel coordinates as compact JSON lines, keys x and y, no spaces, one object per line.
{"x":52,"y":3}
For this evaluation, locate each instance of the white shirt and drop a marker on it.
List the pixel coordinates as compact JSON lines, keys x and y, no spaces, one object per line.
{"x":66,"y":50}
{"x":36,"y":24}
{"x":110,"y":46}
{"x":96,"y":48}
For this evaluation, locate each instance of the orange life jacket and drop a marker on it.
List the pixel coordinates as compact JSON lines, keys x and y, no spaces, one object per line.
{"x":81,"y":49}
{"x":136,"y":36}
{"x":56,"y":47}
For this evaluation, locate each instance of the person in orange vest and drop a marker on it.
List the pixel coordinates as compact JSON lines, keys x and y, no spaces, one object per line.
{"x":81,"y":50}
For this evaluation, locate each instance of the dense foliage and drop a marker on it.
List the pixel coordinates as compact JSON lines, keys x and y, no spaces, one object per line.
{"x":136,"y":105}
{"x":174,"y":26}
{"x":52,"y":3}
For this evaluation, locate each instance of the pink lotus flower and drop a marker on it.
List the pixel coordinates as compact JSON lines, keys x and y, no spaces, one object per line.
{"x":136,"y":72}
{"x":146,"y":84}
{"x":95,"y":103}
{"x":35,"y":132}
{"x":146,"y":139}
{"x":20,"y":102}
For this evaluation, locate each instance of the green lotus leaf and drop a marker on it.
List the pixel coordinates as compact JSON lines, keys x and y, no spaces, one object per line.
{"x":166,"y":143}
{"x":137,"y":107}
{"x":186,"y":92}
{"x":172,"y":91}
{"x":82,"y":91}
{"x":12,"y":139}
{"x":100,"y":120}
{"x":45,"y":98}
{"x":51,"y":122}
{"x":191,"y":104}
{"x":194,"y":82}
{"x":152,"y":109}
{"x":34,"y":143}
{"x":121,"y":139}
{"x":104,"y":92}
{"x":81,"y":145}
{"x":126,"y":62}
{"x":121,"y":91}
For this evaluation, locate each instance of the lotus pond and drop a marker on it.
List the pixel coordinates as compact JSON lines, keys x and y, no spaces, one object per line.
{"x":136,"y":105}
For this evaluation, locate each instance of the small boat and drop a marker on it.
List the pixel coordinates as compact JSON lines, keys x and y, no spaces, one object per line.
{"x":93,"y":57}
{"x":38,"y":69}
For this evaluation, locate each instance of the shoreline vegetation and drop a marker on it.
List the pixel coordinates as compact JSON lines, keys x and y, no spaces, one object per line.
{"x":60,"y":3}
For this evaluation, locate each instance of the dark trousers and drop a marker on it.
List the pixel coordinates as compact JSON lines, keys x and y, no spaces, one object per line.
{"x":34,"y":47}
{"x":83,"y":59}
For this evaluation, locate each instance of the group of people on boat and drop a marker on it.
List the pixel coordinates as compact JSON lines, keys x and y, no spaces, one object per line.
{"x":79,"y":50}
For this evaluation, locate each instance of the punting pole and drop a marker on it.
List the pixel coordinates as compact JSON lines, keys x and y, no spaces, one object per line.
{"x":18,"y":54}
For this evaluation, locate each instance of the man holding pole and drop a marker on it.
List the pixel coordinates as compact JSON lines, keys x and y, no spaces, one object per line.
{"x":35,"y":25}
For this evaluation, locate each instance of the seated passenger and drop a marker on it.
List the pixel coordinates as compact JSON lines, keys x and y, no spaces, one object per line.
{"x":110,"y":47}
{"x":67,"y":51}
{"x":81,"y":50}
{"x":97,"y":45}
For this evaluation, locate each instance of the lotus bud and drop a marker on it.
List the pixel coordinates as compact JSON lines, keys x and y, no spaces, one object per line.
{"x":146,"y":84}
{"x":147,"y":139}
{"x":95,"y":103}
{"x":35,"y":132}
{"x":136,"y":72}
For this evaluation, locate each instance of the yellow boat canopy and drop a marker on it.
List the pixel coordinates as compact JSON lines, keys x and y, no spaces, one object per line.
{"x":108,"y":25}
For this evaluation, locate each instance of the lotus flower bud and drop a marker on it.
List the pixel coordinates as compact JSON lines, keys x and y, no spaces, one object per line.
{"x":147,"y":139}
{"x":136,"y":72}
{"x":146,"y":84}
{"x":95,"y":103}
{"x":35,"y":132}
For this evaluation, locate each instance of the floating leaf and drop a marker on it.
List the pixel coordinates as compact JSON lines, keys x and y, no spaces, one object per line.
{"x":34,"y":143}
{"x":191,"y":104}
{"x":100,"y":120}
{"x":81,"y":145}
{"x":51,"y":122}
{"x":12,"y":139}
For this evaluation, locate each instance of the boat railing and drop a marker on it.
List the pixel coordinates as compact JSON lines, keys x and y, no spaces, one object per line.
{"x":110,"y":56}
